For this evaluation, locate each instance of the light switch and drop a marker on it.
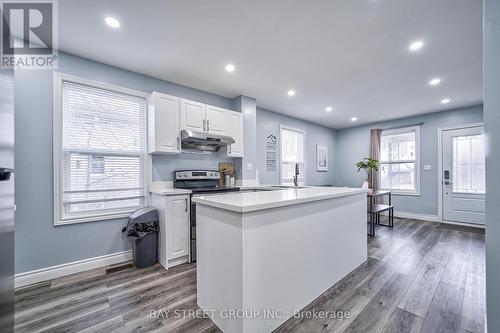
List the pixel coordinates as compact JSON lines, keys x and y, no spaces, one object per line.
{"x":249,"y":166}
{"x":427,"y":167}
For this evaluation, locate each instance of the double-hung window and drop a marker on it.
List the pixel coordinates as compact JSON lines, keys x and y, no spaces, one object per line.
{"x":399,"y":164}
{"x":292,"y":154}
{"x":99,"y":149}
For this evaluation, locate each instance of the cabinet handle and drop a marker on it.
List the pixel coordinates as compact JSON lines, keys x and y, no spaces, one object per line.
{"x":186,"y":201}
{"x":204,"y":125}
{"x":208,"y":125}
{"x":178,"y":143}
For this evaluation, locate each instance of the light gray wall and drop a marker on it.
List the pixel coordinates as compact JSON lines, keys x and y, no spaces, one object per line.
{"x":269,"y":122}
{"x":248,"y":106}
{"x":492,"y":121}
{"x":352,"y":145}
{"x":38,"y":243}
{"x":165,"y":165}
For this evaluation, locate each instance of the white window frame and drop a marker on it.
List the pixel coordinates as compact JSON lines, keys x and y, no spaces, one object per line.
{"x":288,"y":181}
{"x":403,"y":130}
{"x":59,"y":217}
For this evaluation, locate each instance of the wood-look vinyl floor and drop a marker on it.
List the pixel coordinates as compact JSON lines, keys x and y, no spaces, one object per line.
{"x":419,"y":277}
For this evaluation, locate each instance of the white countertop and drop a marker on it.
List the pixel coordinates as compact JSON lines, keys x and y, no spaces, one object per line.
{"x":170,"y":191}
{"x":253,"y":201}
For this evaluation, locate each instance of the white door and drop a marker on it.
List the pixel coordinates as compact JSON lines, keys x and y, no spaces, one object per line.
{"x":164,"y":120}
{"x":177,"y":226}
{"x":235,"y":130}
{"x":193,"y":115}
{"x":464,"y":175}
{"x":216,"y":120}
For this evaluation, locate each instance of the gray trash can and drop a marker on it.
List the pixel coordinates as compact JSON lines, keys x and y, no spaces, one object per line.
{"x":142,"y":229}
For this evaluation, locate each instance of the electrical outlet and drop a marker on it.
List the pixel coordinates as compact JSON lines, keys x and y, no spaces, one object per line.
{"x":427,"y":167}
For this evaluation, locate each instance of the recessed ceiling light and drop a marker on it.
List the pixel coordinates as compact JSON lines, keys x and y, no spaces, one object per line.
{"x":230,"y":68}
{"x":112,"y":22}
{"x":416,"y":45}
{"x":435,"y":81}
{"x":445,"y":101}
{"x":291,"y":92}
{"x":329,"y":109}
{"x":353,"y":119}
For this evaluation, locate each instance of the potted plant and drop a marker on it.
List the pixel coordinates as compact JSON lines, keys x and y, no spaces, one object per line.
{"x":369,"y":165}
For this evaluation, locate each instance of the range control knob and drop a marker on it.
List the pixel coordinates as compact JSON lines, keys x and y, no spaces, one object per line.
{"x":185,"y":174}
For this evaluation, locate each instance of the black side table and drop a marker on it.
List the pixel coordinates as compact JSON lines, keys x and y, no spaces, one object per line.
{"x":374,"y":210}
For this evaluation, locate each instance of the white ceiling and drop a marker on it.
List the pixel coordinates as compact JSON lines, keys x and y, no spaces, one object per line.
{"x":350,"y":54}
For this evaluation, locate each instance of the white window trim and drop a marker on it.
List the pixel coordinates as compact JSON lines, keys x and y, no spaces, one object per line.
{"x":402,"y":130}
{"x":58,"y":79}
{"x":303,"y":182}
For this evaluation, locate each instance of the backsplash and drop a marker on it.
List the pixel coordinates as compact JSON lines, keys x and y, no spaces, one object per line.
{"x":165,"y":165}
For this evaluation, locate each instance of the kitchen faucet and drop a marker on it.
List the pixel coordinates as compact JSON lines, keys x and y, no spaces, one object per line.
{"x":296,"y":177}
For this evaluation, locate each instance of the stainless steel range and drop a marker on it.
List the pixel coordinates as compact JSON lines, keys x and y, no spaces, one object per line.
{"x":200,"y":182}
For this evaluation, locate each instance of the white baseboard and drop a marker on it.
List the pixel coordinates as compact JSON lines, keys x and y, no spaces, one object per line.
{"x":432,"y":218}
{"x":464,"y":224}
{"x":417,"y":216}
{"x":49,"y":273}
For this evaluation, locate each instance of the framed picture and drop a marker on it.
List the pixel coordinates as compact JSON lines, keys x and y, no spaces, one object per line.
{"x":321,"y":158}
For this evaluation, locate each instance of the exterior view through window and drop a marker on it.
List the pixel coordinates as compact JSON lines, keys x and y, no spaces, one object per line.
{"x":103,"y":151}
{"x":399,"y":160}
{"x":469,"y":164}
{"x":292,"y":153}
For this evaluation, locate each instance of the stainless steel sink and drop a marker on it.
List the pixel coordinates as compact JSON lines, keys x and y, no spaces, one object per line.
{"x":256,"y":190}
{"x":286,"y":186}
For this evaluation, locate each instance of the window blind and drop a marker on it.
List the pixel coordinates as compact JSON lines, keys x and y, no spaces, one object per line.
{"x":103,"y":150}
{"x":399,"y":159}
{"x":292,"y":152}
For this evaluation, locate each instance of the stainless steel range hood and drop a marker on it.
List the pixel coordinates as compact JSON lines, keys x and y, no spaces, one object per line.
{"x":199,"y":141}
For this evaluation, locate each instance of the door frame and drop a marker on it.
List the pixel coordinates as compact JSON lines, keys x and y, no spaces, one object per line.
{"x":440,"y":160}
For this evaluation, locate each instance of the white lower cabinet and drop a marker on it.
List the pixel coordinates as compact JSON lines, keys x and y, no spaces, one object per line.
{"x":173,"y":240}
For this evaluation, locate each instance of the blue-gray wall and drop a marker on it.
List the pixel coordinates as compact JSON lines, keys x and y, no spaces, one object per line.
{"x":269,"y":123}
{"x":165,"y":165}
{"x":38,"y":243}
{"x":248,"y":106}
{"x":352,"y":145}
{"x":492,"y":121}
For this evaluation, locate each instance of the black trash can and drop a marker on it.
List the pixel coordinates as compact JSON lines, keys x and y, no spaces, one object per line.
{"x":142,"y":229}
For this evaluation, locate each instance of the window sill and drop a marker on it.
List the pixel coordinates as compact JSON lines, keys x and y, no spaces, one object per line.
{"x":93,"y":218}
{"x":404,"y":194}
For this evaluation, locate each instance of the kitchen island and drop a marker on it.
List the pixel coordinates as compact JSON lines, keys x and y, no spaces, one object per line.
{"x":263,"y":256}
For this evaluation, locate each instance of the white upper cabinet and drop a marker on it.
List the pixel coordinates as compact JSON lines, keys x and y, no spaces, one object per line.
{"x":199,"y":117}
{"x":168,"y":115}
{"x":163,"y":123}
{"x":234,"y":121}
{"x":193,"y":115}
{"x":216,"y":120}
